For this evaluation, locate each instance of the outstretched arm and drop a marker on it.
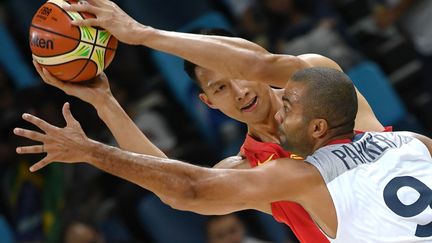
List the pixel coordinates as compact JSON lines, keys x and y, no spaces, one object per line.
{"x":181,"y":185}
{"x":232,"y":57}
{"x":129,"y":137}
{"x":97,"y":93}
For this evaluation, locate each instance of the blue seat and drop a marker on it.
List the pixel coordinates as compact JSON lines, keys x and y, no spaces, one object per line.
{"x":376,"y":88}
{"x":385,"y":102}
{"x":6,"y":234}
{"x":13,"y":62}
{"x":208,"y":121}
{"x":167,"y":225}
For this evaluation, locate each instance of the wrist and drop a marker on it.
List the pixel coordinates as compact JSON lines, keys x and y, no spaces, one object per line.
{"x":143,"y":34}
{"x":105,"y":105}
{"x":93,"y":152}
{"x":96,"y":98}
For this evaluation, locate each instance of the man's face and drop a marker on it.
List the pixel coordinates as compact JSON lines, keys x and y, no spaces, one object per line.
{"x":293,"y":126}
{"x":245,"y":101}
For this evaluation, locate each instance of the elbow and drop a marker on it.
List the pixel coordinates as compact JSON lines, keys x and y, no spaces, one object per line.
{"x":185,"y":199}
{"x":258,"y":66}
{"x":267,"y":63}
{"x":174,"y":203}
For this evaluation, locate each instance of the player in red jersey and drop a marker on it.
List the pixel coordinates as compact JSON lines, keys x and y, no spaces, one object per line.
{"x":223,"y":81}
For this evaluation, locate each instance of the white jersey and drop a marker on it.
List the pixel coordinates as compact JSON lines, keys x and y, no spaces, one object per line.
{"x":381,"y":186}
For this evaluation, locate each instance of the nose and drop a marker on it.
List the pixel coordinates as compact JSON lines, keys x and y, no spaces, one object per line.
{"x":279,"y":116}
{"x":240,"y":90}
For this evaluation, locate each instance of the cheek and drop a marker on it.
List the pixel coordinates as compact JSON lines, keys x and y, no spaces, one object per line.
{"x":292,"y":127}
{"x":223,"y":99}
{"x":279,"y":117}
{"x":285,"y":127}
{"x":229,"y":110}
{"x":219,"y":102}
{"x":226,"y":106}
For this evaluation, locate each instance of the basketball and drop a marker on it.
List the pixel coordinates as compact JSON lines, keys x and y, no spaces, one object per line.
{"x":68,"y":52}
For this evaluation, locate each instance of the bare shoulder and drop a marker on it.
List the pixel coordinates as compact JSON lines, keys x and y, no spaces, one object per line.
{"x":316,"y":60}
{"x":233,"y":162}
{"x":296,"y":176}
{"x":424,"y":139}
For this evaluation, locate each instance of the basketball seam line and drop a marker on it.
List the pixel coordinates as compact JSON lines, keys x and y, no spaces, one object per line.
{"x":68,"y":37}
{"x":53,"y":65}
{"x":89,"y":58}
{"x":69,"y":17}
{"x":80,"y":14}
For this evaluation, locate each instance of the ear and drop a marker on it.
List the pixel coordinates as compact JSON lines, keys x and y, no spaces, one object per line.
{"x":319,"y":128}
{"x":204,"y":98}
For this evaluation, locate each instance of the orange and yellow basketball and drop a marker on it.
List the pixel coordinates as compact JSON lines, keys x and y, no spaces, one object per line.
{"x":69,"y":52}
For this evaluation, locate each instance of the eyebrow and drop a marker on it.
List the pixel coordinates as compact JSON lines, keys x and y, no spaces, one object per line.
{"x":212,"y":83}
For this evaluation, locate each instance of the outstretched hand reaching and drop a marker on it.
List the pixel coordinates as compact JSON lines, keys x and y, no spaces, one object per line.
{"x":67,"y":145}
{"x":108,"y":16}
{"x":94,"y":92}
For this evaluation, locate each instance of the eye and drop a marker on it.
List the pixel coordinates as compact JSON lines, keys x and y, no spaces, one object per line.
{"x":220,"y":88}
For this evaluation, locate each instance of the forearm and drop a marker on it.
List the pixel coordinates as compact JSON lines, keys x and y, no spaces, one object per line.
{"x":181,"y":185}
{"x":173,"y":181}
{"x":233,"y":57}
{"x":127,"y":134}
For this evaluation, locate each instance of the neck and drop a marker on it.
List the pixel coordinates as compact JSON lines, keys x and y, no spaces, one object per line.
{"x":267,"y":129}
{"x":331,"y":137}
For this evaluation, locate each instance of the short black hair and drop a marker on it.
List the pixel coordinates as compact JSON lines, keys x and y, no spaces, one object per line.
{"x":188,"y":66}
{"x":330,"y":95}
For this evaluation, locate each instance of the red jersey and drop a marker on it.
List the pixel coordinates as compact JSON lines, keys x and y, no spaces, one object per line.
{"x":290,"y":213}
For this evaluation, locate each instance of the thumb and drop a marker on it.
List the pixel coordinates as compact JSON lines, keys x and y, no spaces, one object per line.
{"x":53,"y":81}
{"x":67,"y":114}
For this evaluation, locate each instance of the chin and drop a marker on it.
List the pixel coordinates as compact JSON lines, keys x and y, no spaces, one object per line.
{"x":286,"y":147}
{"x":289,"y":148}
{"x":292,"y":148}
{"x":284,"y":143}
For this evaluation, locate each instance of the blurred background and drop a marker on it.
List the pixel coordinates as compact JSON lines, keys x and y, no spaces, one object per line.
{"x":383,"y":45}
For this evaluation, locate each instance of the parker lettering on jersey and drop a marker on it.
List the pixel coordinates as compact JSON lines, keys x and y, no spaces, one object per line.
{"x":366,"y":151}
{"x":381,"y":187}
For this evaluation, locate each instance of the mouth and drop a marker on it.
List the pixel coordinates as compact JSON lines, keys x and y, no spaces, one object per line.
{"x":251,"y":105}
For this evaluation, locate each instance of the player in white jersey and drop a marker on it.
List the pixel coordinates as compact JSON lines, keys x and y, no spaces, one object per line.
{"x":380,"y":185}
{"x":374,"y":187}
